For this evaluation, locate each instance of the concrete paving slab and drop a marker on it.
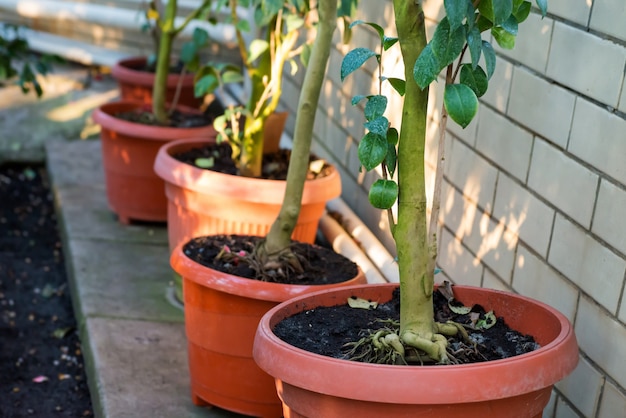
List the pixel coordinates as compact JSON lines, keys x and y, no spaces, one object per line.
{"x":63,"y":113}
{"x":121,"y":280}
{"x":141,"y":370}
{"x":75,"y":163}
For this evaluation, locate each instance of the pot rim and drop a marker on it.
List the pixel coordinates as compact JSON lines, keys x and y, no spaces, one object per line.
{"x":103,"y":115}
{"x":125,"y":71}
{"x":215,"y":183}
{"x":244,"y":287}
{"x":446,"y":384}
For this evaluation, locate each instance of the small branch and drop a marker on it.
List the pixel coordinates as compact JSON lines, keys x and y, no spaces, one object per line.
{"x":191,"y":17}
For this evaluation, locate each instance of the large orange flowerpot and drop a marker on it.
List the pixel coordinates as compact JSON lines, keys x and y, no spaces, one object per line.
{"x":205,"y":202}
{"x":312,"y":385}
{"x":222,"y":313}
{"x":134,"y":191}
{"x":136,"y":84}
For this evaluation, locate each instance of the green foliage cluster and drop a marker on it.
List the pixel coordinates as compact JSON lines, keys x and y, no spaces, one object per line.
{"x":19,"y":64}
{"x":458,"y":32}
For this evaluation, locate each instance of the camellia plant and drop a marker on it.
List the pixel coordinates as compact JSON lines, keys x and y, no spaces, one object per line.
{"x":400,"y":152}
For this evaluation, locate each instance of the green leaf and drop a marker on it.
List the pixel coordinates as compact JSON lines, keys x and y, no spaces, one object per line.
{"x":489,"y":321}
{"x":503,"y":38}
{"x":294,"y":23}
{"x":460,"y":310}
{"x":388,"y":42}
{"x":383,"y":194}
{"x":522,"y":12}
{"x":511,"y":25}
{"x":306,"y":54}
{"x":375,"y":107}
{"x":455,"y":10}
{"x":376,"y":27}
{"x":378,"y":126}
{"x":257,"y":48}
{"x":476,"y":79}
{"x":447,"y":43}
{"x":426,"y":68}
{"x":497,"y":11}
{"x":490,"y":58}
{"x":357,"y":99}
{"x":232,"y":76}
{"x":461,"y":103}
{"x":372,"y":150}
{"x":474,"y":44}
{"x":200,"y":37}
{"x":543,"y":6}
{"x":205,"y":85}
{"x":354,"y":60}
{"x":188,"y":52}
{"x":392,"y":156}
{"x":243,"y":26}
{"x":398,"y":84}
{"x":204,"y":162}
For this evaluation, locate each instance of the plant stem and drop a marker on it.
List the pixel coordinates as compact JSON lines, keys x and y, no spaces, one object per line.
{"x":410,"y":232}
{"x":279,"y":236}
{"x":163,"y":62}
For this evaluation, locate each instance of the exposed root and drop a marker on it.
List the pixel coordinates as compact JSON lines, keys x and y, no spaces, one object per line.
{"x":386,"y":346}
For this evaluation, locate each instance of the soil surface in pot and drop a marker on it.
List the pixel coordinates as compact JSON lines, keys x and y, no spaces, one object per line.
{"x":232,"y":254}
{"x":41,"y":363}
{"x":218,"y":157}
{"x":329,"y":331}
{"x":177,"y":119}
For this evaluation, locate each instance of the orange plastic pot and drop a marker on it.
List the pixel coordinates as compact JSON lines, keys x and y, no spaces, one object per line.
{"x":312,"y":385}
{"x":222,"y":313}
{"x":204,"y":202}
{"x":134,"y":191}
{"x":136,"y":84}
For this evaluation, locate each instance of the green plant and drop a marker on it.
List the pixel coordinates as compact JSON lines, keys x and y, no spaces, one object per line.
{"x":280,"y":24}
{"x":17,"y":61}
{"x":168,"y":30}
{"x":401,"y":152}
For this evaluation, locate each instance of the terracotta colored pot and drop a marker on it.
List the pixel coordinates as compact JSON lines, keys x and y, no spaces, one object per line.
{"x":312,"y":385}
{"x":134,"y":191}
{"x":222,"y":313}
{"x":204,"y":202}
{"x":136,"y":84}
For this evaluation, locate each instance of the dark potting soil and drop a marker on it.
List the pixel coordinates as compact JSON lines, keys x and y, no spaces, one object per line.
{"x":177,"y":119}
{"x":274,"y":164}
{"x":328,"y":330}
{"x":41,"y":363}
{"x":321,"y":265}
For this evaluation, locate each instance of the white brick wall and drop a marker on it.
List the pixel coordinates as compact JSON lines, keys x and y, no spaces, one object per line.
{"x":534,"y":197}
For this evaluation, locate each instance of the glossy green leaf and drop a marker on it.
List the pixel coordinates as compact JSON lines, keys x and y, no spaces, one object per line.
{"x":375,"y":107}
{"x":294,"y":23}
{"x":474,"y":78}
{"x":354,"y":60}
{"x":200,"y":37}
{"x":357,"y":99}
{"x":522,"y":12}
{"x":188,"y":52}
{"x":391,"y":159}
{"x":455,"y":10}
{"x":426,"y":68}
{"x":398,"y":85}
{"x":447,"y":43}
{"x":490,"y":58}
{"x":503,"y":38}
{"x":388,"y":42}
{"x":232,"y":76}
{"x":379,"y":29}
{"x":378,"y":126}
{"x":383,"y":194}
{"x":243,"y":26}
{"x":543,"y":6}
{"x":511,"y":25}
{"x":205,"y":85}
{"x":474,"y":44}
{"x":461,"y":103}
{"x":497,"y":11}
{"x":372,"y":150}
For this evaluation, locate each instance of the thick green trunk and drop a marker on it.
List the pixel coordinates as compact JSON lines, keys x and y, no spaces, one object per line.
{"x":279,"y":236}
{"x":163,"y":62}
{"x":410,"y":232}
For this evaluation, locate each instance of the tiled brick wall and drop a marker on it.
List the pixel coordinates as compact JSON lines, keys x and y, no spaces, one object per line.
{"x":535,"y":188}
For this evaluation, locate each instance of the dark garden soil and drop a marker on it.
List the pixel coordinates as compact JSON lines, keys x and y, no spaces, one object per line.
{"x":329,"y":330}
{"x":274,"y":164}
{"x":232,"y":254}
{"x":41,"y":364}
{"x":177,"y":119}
